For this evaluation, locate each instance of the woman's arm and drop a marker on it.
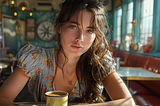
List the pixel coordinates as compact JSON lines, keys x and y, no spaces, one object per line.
{"x":117,"y":90}
{"x":12,"y":86}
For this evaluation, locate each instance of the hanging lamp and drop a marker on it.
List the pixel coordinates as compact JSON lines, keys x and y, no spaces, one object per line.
{"x":12,"y":2}
{"x":15,"y":13}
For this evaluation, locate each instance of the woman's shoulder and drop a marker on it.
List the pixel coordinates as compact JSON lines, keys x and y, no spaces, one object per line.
{"x":32,"y":57}
{"x":32,"y":52}
{"x":108,"y":60}
{"x":29,"y":54}
{"x":108,"y":57}
{"x":30,"y":49}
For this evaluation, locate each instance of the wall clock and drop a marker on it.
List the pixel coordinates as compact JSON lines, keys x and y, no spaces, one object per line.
{"x":46,"y":31}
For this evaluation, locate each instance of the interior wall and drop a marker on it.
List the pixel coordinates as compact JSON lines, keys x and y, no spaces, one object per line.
{"x":41,"y":16}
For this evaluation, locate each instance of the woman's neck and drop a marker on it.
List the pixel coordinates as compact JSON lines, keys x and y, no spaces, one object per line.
{"x":71,"y":62}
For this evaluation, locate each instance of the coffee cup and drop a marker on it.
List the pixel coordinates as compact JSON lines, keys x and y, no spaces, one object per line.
{"x":56,"y":98}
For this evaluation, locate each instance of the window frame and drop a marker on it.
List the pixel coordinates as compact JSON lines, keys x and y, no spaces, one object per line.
{"x":119,"y":26}
{"x":127,"y":22}
{"x":140,"y":20}
{"x":136,"y":15}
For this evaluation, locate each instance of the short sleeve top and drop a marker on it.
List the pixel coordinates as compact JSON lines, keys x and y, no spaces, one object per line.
{"x":39,"y":64}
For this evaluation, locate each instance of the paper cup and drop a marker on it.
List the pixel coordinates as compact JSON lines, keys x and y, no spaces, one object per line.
{"x":56,"y":98}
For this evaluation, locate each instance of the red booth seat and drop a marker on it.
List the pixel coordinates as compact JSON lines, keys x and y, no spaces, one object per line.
{"x":146,"y":100}
{"x":137,"y":60}
{"x":154,"y":65}
{"x":145,"y":93}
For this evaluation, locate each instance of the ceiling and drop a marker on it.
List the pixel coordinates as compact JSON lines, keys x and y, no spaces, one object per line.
{"x":37,"y":4}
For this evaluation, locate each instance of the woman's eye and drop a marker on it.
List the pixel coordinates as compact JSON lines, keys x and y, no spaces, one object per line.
{"x":90,"y":31}
{"x":73,"y":27}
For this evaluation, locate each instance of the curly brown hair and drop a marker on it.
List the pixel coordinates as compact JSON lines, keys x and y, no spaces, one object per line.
{"x":89,"y":66}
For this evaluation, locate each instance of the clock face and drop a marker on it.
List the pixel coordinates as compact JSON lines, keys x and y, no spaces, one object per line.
{"x":46,"y":31}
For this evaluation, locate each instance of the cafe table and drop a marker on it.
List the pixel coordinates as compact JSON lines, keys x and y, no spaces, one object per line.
{"x":69,"y":104}
{"x":136,"y":73}
{"x":7,"y":61}
{"x":3,"y":65}
{"x":42,"y":104}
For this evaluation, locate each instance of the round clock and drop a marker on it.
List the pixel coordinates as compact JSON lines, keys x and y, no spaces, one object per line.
{"x":46,"y":31}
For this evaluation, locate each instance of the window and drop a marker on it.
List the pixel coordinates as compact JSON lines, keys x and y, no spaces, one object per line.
{"x":119,"y":20}
{"x":146,"y":21}
{"x":129,"y":17}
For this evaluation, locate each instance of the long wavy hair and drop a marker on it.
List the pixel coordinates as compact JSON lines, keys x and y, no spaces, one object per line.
{"x":89,"y":66}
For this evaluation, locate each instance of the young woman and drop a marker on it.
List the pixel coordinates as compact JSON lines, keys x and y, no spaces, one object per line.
{"x":82,"y":62}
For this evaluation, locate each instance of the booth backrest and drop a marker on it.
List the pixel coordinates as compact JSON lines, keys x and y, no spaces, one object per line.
{"x":114,"y":52}
{"x":122,"y":54}
{"x":154,"y":65}
{"x":137,"y":60}
{"x":157,"y":70}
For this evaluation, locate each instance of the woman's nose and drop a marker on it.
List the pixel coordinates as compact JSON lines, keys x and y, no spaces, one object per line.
{"x":80,"y":36}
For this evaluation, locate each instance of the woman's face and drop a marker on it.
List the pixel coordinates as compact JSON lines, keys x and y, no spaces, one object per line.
{"x":76,"y":37}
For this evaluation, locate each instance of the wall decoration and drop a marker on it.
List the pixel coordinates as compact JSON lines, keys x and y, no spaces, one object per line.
{"x":38,"y":14}
{"x":46,"y":31}
{"x":20,"y":27}
{"x":149,"y":40}
{"x":134,"y":23}
{"x":117,"y":3}
{"x":127,"y":42}
{"x":44,"y":17}
{"x":30,"y":29}
{"x":9,"y":34}
{"x":9,"y":29}
{"x":31,"y":36}
{"x":30,"y":22}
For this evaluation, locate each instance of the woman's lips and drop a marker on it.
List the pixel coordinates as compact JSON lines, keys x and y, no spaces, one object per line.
{"x":76,"y":47}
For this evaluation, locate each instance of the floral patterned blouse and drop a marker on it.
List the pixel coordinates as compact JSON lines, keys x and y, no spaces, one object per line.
{"x":39,"y":64}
